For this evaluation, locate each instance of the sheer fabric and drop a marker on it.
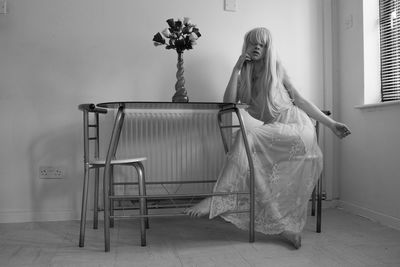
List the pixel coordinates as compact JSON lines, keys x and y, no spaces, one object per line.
{"x":287,"y":162}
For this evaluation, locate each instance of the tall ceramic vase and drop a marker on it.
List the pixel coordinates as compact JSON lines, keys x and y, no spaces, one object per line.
{"x":180,"y":91}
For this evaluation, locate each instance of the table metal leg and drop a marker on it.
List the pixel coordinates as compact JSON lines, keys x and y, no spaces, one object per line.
{"x":112,"y":191}
{"x":119,"y":120}
{"x":313,"y":196}
{"x":251,"y":172}
{"x":250,"y":162}
{"x":96,"y":199}
{"x":142,"y":201}
{"x":319,"y":204}
{"x":84,"y":207}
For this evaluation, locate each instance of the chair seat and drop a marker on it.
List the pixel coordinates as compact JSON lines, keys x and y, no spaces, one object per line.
{"x":102,"y":162}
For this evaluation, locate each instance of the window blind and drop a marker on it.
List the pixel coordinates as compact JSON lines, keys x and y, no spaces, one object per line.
{"x":389,"y":16}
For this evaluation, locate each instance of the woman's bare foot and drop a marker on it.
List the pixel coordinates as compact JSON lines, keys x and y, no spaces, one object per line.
{"x":293,"y":238}
{"x":200,"y":209}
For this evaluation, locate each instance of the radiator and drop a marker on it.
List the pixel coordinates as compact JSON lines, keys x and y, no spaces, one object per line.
{"x":180,"y":145}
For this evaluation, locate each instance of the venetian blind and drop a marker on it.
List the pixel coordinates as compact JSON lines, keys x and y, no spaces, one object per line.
{"x":389,"y":16}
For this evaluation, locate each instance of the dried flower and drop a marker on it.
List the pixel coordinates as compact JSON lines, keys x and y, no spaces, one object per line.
{"x":166,"y":33}
{"x":158,"y":38}
{"x":181,"y":35}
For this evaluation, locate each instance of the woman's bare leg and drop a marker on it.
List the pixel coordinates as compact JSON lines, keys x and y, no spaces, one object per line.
{"x":200,"y":209}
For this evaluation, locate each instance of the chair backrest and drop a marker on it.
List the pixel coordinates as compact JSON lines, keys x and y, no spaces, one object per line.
{"x":91,"y":121}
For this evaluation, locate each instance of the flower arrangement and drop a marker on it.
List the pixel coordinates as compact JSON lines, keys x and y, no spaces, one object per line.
{"x":180,"y":35}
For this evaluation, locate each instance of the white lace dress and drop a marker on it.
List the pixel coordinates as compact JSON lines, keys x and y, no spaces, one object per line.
{"x":287,"y":162}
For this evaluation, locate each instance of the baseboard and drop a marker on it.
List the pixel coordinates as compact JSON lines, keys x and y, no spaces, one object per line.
{"x":376,"y":216}
{"x":18,"y":216}
{"x":326,"y":204}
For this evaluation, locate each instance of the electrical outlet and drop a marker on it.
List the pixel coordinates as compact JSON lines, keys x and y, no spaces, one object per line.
{"x":51,"y":172}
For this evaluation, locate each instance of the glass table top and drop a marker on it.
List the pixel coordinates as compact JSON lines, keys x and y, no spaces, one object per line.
{"x":169,"y":105}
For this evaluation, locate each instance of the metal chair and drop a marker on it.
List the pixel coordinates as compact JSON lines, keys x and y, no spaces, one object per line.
{"x":91,"y":139}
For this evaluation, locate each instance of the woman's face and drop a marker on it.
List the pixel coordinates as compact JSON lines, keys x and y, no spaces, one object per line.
{"x":256,"y":51}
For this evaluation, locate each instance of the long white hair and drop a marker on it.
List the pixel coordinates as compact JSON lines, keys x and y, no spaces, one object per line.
{"x":271,"y":74}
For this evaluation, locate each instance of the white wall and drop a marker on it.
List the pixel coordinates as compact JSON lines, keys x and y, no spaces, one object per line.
{"x":55,"y":54}
{"x":368,"y":159}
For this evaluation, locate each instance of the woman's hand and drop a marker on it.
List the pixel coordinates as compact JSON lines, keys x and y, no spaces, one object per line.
{"x":340,"y":130}
{"x":242,"y":59}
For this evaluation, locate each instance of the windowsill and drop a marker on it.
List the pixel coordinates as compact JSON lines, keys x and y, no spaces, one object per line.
{"x":378,"y":105}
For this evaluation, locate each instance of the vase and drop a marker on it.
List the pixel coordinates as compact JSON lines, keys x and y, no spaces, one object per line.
{"x":180,"y":91}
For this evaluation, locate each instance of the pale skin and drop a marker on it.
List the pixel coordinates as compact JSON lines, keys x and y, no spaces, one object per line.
{"x":254,"y":54}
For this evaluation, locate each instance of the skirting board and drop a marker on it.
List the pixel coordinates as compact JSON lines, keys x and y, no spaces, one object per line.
{"x":19,"y":216}
{"x":381,"y":218}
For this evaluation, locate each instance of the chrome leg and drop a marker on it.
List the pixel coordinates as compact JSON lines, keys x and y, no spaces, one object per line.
{"x":250,"y":161}
{"x":119,"y":119}
{"x":143,"y":208}
{"x":251,"y":170}
{"x":313,"y":196}
{"x":84,"y":207}
{"x":112,"y":192}
{"x":146,"y":211}
{"x":96,"y":199}
{"x":319,"y":205}
{"x":106,"y":204}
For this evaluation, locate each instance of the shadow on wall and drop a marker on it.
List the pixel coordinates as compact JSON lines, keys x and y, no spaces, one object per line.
{"x":57,"y":199}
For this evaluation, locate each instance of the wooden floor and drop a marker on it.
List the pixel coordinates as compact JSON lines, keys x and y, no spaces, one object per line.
{"x":347,"y":240}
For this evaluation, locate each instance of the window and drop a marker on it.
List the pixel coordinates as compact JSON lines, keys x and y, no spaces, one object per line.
{"x":389,"y":16}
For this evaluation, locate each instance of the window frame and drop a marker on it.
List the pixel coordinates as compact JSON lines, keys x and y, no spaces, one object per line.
{"x":389,"y":33}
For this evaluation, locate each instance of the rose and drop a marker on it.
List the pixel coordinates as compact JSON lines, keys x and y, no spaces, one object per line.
{"x":166,"y":33}
{"x":171,"y":23}
{"x":186,"y":21}
{"x":187,"y":29}
{"x":158,"y":39}
{"x":193,"y":37}
{"x":196,"y":31}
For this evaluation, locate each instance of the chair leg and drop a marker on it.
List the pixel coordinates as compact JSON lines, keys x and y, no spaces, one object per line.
{"x":146,"y":211}
{"x":106,"y":213}
{"x":84,"y":207}
{"x":319,"y":205}
{"x":313,"y":201}
{"x":112,"y":191}
{"x":96,"y":200}
{"x":143,"y":207}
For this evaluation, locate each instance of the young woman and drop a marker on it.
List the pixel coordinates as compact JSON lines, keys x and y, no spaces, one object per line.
{"x":286,"y":155}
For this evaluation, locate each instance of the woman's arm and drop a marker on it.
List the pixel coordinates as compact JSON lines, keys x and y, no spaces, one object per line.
{"x":339,"y":129}
{"x":230,"y":95}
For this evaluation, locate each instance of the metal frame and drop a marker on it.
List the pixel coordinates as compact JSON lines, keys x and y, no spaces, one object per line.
{"x":108,"y":193}
{"x":108,"y":179}
{"x":229,"y":110}
{"x":143,"y":198}
{"x":86,"y":109}
{"x":225,"y":108}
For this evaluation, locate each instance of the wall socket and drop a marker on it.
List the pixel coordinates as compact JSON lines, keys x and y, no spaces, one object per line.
{"x":51,"y":172}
